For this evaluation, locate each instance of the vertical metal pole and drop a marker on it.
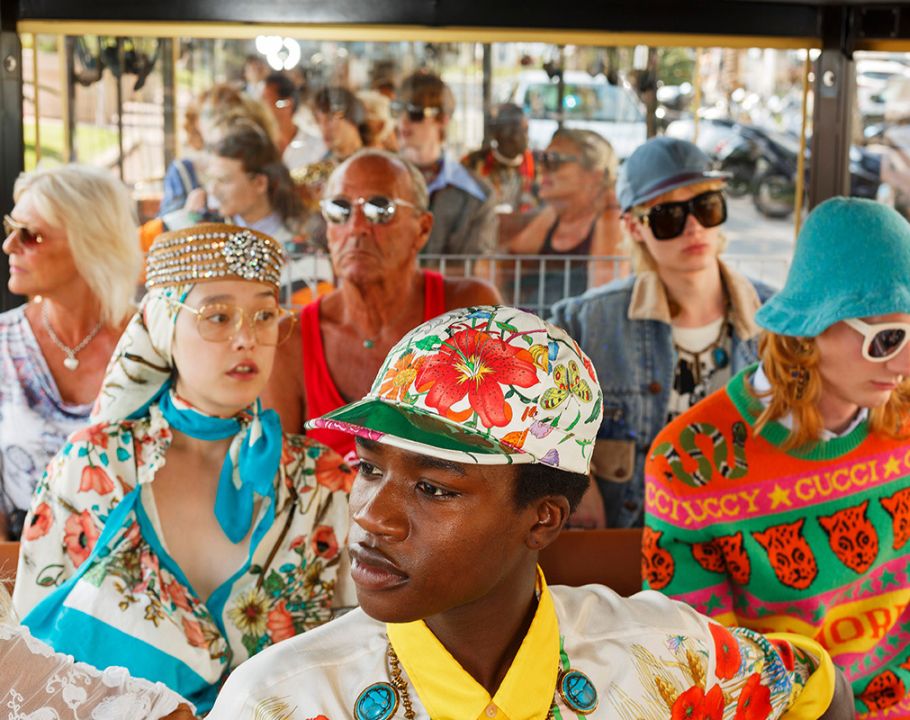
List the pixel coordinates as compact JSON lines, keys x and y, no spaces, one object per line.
{"x":487,"y":91}
{"x":36,"y":90}
{"x":11,"y":145}
{"x":560,"y":88}
{"x":168,"y":80}
{"x":696,"y":100}
{"x":835,"y":85}
{"x":67,"y":96}
{"x":801,"y":160}
{"x":120,"y":108}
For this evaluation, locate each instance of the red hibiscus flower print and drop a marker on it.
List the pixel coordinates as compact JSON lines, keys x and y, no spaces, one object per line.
{"x":754,"y":701}
{"x":94,"y":478}
{"x":93,"y":435}
{"x":280,"y":623}
{"x":40,"y":523}
{"x":333,"y":473}
{"x":324,"y":542}
{"x":727,"y":651}
{"x":475,"y":364}
{"x":694,"y":704}
{"x":79,"y":537}
{"x":193,"y":631}
{"x":785,"y":650}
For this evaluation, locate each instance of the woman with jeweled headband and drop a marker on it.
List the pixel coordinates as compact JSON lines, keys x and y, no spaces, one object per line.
{"x":184,"y":532}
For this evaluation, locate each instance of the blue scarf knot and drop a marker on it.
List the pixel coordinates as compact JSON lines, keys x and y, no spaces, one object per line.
{"x":256,"y":449}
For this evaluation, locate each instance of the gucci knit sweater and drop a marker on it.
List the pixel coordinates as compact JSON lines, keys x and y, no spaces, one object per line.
{"x":807,"y":541}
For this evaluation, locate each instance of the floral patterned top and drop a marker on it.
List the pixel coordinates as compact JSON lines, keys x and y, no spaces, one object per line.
{"x":126,"y":602}
{"x":34,"y":419}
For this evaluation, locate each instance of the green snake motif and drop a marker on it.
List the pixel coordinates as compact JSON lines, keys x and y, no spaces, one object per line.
{"x":706,"y":469}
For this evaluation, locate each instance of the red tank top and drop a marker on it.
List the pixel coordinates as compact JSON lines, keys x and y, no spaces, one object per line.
{"x":321,"y":394}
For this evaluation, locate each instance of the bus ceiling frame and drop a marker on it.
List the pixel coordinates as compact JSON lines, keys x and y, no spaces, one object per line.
{"x":836,"y":28}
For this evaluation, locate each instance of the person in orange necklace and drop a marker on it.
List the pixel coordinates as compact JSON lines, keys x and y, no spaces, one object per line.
{"x":781,"y":501}
{"x":475,"y":442}
{"x":375,"y":207}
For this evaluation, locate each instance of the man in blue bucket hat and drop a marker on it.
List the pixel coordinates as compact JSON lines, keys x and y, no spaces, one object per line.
{"x":671,"y":334}
{"x":784,"y":499}
{"x":474,"y":445}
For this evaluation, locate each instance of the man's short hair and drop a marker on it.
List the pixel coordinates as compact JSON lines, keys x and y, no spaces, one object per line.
{"x":283,"y":86}
{"x":535,"y":481}
{"x":420,"y":195}
{"x":427,"y":90}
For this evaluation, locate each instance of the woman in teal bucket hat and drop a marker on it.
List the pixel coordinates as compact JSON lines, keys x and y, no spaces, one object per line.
{"x":783,"y":501}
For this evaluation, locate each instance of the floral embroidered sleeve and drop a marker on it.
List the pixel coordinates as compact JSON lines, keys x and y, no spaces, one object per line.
{"x":747,"y":675}
{"x":68,"y":511}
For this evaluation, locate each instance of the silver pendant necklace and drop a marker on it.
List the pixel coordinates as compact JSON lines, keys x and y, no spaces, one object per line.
{"x":69,"y":362}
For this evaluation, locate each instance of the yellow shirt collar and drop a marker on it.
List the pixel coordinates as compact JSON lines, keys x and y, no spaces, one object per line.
{"x":446,"y":689}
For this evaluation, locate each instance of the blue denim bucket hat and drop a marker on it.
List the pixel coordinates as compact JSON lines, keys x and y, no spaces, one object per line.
{"x":852,"y":260}
{"x":658,"y":166}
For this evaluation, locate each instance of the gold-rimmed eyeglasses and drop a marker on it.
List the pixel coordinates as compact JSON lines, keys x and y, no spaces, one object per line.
{"x":221,"y":322}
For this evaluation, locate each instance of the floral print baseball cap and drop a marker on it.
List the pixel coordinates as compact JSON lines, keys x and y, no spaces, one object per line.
{"x":489,"y":385}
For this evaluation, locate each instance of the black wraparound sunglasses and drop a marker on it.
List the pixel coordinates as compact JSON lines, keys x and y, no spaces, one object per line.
{"x":668,"y":220}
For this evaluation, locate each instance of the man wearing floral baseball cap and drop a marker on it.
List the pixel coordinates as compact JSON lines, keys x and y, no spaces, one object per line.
{"x":475,"y":444}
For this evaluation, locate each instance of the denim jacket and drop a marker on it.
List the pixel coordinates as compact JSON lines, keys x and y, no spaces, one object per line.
{"x":624,"y":327}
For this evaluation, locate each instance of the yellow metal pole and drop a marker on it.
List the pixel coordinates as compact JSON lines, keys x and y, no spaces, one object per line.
{"x":35,"y":104}
{"x":801,"y":160}
{"x":697,"y":98}
{"x":64,"y":96}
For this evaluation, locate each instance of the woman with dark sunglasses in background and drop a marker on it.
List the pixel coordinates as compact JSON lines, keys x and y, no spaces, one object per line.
{"x":783,"y":501}
{"x":73,"y":251}
{"x":580,"y":216}
{"x":671,"y":334}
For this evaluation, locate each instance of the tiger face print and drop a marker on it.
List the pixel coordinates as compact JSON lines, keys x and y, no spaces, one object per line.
{"x":736,"y":558}
{"x":898,"y":507}
{"x":790,"y":556}
{"x":709,"y":556}
{"x":883,"y":691}
{"x":657,"y":564}
{"x":852,"y":537}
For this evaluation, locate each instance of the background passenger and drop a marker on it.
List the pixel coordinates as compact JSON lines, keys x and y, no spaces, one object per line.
{"x":806,"y":455}
{"x":71,"y":242}
{"x":297,"y":146}
{"x":184,"y":532}
{"x":376,"y":211}
{"x":579,"y":217}
{"x":671,"y":334}
{"x":251,"y":185}
{"x":462,"y":204}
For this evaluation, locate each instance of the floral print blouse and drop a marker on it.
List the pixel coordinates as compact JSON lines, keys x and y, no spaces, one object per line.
{"x":128,"y":603}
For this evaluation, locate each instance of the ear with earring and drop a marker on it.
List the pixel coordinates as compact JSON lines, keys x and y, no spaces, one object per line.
{"x":799,"y":373}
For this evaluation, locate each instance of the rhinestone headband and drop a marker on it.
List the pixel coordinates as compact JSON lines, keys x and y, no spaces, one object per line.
{"x":213,"y":251}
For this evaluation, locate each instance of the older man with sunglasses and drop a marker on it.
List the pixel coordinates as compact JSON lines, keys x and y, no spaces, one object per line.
{"x":375,"y":205}
{"x":463,"y":204}
{"x":671,"y":334}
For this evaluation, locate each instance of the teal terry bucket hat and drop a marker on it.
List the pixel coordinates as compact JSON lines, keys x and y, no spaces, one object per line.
{"x":852,"y":260}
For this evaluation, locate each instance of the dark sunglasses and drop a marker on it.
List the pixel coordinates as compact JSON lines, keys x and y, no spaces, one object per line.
{"x":881,"y":341}
{"x":378,"y":209}
{"x":28,"y":238}
{"x":414,"y":113}
{"x":552,"y":161}
{"x":668,"y":220}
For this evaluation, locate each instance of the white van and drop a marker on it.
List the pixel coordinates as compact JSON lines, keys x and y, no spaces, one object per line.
{"x":588,"y":102}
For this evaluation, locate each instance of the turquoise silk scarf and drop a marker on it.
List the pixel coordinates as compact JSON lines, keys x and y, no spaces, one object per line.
{"x":250,"y":466}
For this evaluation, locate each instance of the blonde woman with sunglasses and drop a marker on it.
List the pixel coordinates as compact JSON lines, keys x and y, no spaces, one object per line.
{"x":783,"y":501}
{"x":184,"y":532}
{"x":72,"y":249}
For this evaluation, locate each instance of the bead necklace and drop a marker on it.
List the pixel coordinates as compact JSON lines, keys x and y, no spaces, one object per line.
{"x":718,"y":353}
{"x":69,"y":362}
